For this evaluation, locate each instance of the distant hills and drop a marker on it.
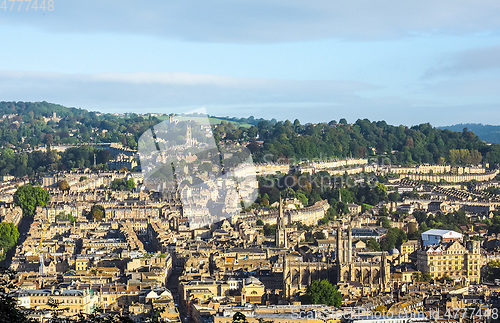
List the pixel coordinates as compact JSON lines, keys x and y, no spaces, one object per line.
{"x":28,"y":125}
{"x":485,"y":132}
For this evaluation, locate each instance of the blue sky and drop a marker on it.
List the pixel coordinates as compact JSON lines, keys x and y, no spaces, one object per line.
{"x":400,"y":61}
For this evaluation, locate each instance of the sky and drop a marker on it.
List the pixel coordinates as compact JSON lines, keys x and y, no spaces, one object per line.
{"x":406,"y":62}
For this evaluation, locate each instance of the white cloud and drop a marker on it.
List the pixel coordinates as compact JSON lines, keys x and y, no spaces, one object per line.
{"x":469,"y":61}
{"x":137,"y":90}
{"x":481,"y":88}
{"x":263,"y":21}
{"x":191,"y":79}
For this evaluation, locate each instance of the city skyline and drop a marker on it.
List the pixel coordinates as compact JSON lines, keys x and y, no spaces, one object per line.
{"x":249,"y":161}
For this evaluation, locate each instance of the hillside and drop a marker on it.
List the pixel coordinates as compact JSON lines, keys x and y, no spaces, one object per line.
{"x":364,"y":138}
{"x":25,"y":125}
{"x":488,"y":133}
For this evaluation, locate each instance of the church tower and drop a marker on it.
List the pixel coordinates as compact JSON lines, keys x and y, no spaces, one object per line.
{"x":348,"y":246}
{"x":189,"y":137}
{"x":340,"y":245}
{"x":281,"y":240}
{"x":344,"y":245}
{"x":344,"y":252}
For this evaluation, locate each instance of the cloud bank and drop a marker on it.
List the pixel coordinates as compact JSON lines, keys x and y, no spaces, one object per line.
{"x":266,"y":21}
{"x":469,"y":61}
{"x":310,"y":101}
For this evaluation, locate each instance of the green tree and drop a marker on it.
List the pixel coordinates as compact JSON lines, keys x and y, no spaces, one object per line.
{"x":492,"y":270}
{"x":239,"y":317}
{"x":97,"y":212}
{"x":9,"y":312}
{"x":330,"y":215}
{"x":155,"y":314}
{"x":98,"y":316}
{"x":130,"y":184}
{"x":302,"y":198}
{"x":63,"y":185}
{"x":342,"y":208}
{"x":28,"y":198}
{"x":8,"y":237}
{"x":427,"y":277}
{"x":55,"y":310}
{"x":323,"y":292}
{"x":121,"y":184}
{"x":394,"y":196}
{"x":63,"y":216}
{"x":372,"y":244}
{"x":269,"y":229}
{"x":393,"y":239}
{"x":384,"y":222}
{"x":288,"y":193}
{"x":71,"y":218}
{"x":319,"y":235}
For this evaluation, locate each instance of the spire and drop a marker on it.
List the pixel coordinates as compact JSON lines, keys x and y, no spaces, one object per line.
{"x":340,"y":196}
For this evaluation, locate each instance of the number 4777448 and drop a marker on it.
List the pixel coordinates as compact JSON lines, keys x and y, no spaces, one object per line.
{"x":27,"y":5}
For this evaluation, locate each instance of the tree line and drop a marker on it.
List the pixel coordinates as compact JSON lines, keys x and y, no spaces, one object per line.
{"x":26,"y":125}
{"x":8,"y":237}
{"x":38,"y":163}
{"x":272,"y":141}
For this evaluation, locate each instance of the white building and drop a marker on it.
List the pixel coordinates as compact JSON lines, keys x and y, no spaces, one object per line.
{"x":435,"y":236}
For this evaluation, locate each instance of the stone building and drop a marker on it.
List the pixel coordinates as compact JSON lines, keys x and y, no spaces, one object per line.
{"x":455,"y":259}
{"x":372,"y":269}
{"x":72,"y":301}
